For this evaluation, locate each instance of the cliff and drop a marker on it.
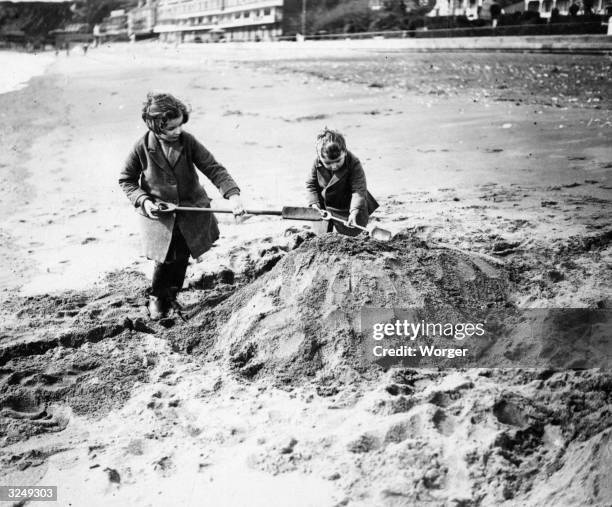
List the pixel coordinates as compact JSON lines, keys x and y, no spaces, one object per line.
{"x":34,"y":19}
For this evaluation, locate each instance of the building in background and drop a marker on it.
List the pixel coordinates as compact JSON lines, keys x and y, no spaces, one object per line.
{"x":74,"y":33}
{"x":113,"y":28}
{"x":141,"y":20}
{"x":214,"y":20}
{"x":481,"y":8}
{"x":12,"y":38}
{"x":545,"y":7}
{"x":469,"y":8}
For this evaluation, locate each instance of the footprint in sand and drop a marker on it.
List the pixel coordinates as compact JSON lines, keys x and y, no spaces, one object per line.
{"x":444,"y":399}
{"x":23,"y":405}
{"x":11,"y":377}
{"x":443,"y":422}
{"x":511,"y":412}
{"x":397,"y":433}
{"x":5,"y":373}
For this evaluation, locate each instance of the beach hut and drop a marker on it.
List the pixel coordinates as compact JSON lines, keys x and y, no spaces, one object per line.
{"x":12,"y":37}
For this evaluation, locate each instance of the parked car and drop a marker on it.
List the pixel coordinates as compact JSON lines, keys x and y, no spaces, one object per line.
{"x":217,"y":35}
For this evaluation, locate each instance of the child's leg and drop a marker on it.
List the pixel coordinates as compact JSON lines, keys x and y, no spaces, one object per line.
{"x":160,"y":282}
{"x":179,"y":266}
{"x":362,"y":219}
{"x":168,"y":276}
{"x":322,"y":227}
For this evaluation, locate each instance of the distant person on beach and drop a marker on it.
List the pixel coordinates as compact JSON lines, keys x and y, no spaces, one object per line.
{"x":161,"y":167}
{"x":337,"y":184}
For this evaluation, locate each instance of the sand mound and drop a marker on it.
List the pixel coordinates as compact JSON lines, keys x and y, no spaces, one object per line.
{"x":300,"y":318}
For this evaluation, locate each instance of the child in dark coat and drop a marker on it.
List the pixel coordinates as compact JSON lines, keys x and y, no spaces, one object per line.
{"x":337,"y":184}
{"x":162,"y":167}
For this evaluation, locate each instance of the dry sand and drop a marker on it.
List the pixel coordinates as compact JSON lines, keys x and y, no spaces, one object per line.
{"x":250,"y":402}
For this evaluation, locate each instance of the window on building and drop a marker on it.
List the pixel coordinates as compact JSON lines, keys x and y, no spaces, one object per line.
{"x":247,"y":14}
{"x":267,"y":11}
{"x":563,"y":5}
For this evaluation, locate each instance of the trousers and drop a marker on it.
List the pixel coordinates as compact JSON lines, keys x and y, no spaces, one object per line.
{"x":168,"y":276}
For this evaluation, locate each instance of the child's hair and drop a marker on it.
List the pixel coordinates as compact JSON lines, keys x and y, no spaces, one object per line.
{"x":330,"y":144}
{"x":160,"y":108}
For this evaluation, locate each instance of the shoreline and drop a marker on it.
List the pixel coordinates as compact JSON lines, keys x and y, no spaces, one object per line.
{"x":21,"y":67}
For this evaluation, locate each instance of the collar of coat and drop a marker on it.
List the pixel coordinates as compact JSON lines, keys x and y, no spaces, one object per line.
{"x":157,"y":153}
{"x":154,"y":144}
{"x":333,"y":177}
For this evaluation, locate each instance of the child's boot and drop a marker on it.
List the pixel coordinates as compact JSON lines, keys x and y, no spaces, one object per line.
{"x":157,"y":308}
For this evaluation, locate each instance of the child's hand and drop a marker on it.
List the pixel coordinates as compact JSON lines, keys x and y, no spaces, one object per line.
{"x":352,"y":219}
{"x":237,"y":207}
{"x":150,"y":209}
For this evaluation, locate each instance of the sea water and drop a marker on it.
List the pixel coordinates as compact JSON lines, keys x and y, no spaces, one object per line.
{"x":18,"y":68}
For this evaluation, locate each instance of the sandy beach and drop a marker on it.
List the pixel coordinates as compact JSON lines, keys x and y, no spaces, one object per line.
{"x":505,"y":156}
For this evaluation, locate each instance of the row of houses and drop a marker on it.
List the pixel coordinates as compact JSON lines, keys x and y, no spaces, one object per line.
{"x":198,"y":20}
{"x":481,"y":8}
{"x":473,"y":9}
{"x":262,"y":20}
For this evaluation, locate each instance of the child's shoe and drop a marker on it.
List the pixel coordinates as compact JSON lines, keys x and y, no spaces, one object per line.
{"x":157,"y":308}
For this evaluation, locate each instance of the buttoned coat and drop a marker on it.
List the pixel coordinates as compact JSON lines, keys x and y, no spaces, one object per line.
{"x":343,"y":190}
{"x":148,"y":173}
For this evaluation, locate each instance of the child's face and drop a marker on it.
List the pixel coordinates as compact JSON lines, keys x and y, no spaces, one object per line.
{"x":333,"y":165}
{"x":172,"y":130}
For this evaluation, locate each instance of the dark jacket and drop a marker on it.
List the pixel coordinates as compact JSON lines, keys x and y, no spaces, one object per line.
{"x":147,"y":173}
{"x":343,"y":190}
